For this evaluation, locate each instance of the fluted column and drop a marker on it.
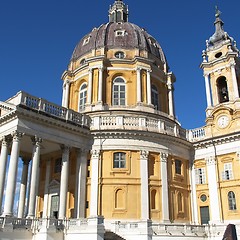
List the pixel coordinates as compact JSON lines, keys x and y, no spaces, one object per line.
{"x":94,"y":182}
{"x":144,"y":185}
{"x":89,"y":90}
{"x":12,"y":175}
{"x":23,"y":188}
{"x":34,"y":176}
{"x":80,"y":191}
{"x":164,"y":179}
{"x":47,"y":180}
{"x":64,"y":182}
{"x":139,"y":87}
{"x":213,"y":189}
{"x":100,"y":84}
{"x":234,"y":79}
{"x":208,"y":92}
{"x":149,"y":91}
{"x":3,"y":163}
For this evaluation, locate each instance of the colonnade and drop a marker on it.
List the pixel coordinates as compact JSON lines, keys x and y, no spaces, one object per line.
{"x":28,"y":210}
{"x":66,"y":88}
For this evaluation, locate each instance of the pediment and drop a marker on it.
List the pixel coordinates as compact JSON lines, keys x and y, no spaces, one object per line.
{"x":221,"y":110}
{"x":54,"y":184}
{"x":6,"y":108}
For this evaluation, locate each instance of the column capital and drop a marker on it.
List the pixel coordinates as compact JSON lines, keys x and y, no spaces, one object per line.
{"x":101,"y":68}
{"x":211,"y":160}
{"x":138,"y":68}
{"x":149,"y":70}
{"x":144,"y":155}
{"x":6,"y":140}
{"x":82,"y":150}
{"x":95,"y":153}
{"x":163,"y":157}
{"x":232,"y":64}
{"x":90,"y":70}
{"x":65,"y":149}
{"x":17,"y":135}
{"x":36,"y":140}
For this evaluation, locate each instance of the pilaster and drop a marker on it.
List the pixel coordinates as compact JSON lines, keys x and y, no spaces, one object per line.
{"x":144,"y":185}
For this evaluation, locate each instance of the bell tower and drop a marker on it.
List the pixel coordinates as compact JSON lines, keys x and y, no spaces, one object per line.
{"x":221,"y":67}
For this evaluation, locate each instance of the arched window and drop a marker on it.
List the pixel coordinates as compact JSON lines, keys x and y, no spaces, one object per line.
{"x":82,"y":96}
{"x":119,"y":92}
{"x":222,"y":90}
{"x":155,"y":97}
{"x":119,"y":160}
{"x":232,"y":201}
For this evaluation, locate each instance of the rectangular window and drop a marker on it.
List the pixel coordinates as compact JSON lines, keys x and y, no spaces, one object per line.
{"x":178,"y":167}
{"x":119,"y":160}
{"x":227,"y":173}
{"x":200,"y":175}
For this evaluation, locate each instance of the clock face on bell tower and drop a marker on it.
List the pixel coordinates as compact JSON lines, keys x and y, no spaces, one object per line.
{"x":223,"y":121}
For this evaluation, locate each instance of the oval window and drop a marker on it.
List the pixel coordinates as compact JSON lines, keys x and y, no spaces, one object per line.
{"x":119,"y":55}
{"x":218,"y":55}
{"x":203,"y":198}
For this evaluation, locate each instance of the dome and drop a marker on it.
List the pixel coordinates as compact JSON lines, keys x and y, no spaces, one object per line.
{"x":119,"y":33}
{"x":124,"y":35}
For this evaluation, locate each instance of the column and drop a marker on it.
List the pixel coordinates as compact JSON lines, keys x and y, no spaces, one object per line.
{"x":193,"y":194}
{"x":139,"y":87}
{"x":64,"y":182}
{"x":34,"y":176}
{"x":81,"y":177}
{"x":164,"y":179}
{"x":208,"y":92}
{"x":94,"y":182}
{"x":3,"y":163}
{"x":100,"y":84}
{"x":66,"y":95}
{"x":47,"y":180}
{"x":63,"y":94}
{"x":144,"y":185}
{"x":170,"y":95}
{"x":12,"y":175}
{"x":234,"y":79}
{"x":89,"y":90}
{"x":23,"y":188}
{"x":149,"y":91}
{"x":213,"y":189}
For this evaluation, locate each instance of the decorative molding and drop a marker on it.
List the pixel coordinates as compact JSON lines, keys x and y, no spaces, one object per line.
{"x":17,"y":136}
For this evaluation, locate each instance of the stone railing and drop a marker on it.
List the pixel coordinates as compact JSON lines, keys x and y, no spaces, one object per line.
{"x":196,"y":134}
{"x":43,"y":106}
{"x":179,"y":230}
{"x":138,"y":123}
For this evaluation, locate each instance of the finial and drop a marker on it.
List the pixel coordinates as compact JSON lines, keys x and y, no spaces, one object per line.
{"x":217,"y":12}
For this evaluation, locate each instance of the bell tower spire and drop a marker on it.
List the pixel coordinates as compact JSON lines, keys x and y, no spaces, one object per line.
{"x":221,"y":67}
{"x":118,"y":12}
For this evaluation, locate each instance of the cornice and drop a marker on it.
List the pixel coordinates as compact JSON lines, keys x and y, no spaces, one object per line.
{"x":217,"y":141}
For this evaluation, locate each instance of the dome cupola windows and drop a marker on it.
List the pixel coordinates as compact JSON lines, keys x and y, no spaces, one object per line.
{"x":119,"y":55}
{"x":82,"y":96}
{"x":119,"y":92}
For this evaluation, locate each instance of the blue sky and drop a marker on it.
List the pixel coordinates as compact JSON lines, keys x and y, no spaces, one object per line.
{"x":38,"y":37}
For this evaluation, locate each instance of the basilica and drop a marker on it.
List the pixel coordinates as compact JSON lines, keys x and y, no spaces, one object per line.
{"x":113,"y":162}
